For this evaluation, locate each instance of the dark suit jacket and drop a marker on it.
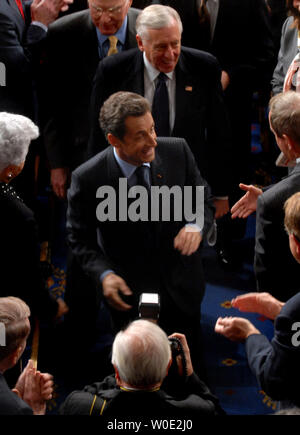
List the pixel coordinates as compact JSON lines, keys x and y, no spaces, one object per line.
{"x":276,"y":363}
{"x":287,"y":52}
{"x":242,"y":40}
{"x":19,"y":258}
{"x":143,"y":256}
{"x":193,"y":400}
{"x":10,"y":403}
{"x":20,"y":45}
{"x":276,"y":270}
{"x":72,"y":59}
{"x":200,"y":117}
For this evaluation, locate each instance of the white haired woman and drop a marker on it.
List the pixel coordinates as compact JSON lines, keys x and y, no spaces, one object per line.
{"x":20,"y":273}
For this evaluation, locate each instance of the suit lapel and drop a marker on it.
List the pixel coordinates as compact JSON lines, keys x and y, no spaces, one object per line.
{"x":130,"y":33}
{"x":90,"y":46}
{"x":184,"y":93}
{"x":18,"y":19}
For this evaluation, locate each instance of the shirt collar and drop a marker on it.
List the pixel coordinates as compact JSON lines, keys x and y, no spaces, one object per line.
{"x":127,"y":168}
{"x":153,"y":73}
{"x":120,"y":34}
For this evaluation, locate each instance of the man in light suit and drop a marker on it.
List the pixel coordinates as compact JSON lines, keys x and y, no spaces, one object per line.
{"x":275,"y":364}
{"x":275,"y":269}
{"x":196,"y":108}
{"x":122,"y":257}
{"x":75,"y":44}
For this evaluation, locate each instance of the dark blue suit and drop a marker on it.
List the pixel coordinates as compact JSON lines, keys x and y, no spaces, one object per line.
{"x":10,"y":403}
{"x":200,"y":114}
{"x":276,"y":363}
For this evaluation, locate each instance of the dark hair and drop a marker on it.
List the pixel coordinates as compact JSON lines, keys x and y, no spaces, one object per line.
{"x":293,"y":12}
{"x":117,"y":108}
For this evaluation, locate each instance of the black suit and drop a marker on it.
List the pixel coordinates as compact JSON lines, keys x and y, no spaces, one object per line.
{"x":192,"y":400}
{"x":72,"y":59}
{"x":144,"y":257}
{"x":10,"y":403}
{"x":200,"y":116}
{"x":276,"y":270}
{"x":276,"y":363}
{"x":19,"y":259}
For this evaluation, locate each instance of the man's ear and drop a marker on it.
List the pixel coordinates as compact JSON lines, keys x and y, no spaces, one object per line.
{"x":140,"y":42}
{"x":113,"y":140}
{"x":291,"y":145}
{"x":169,"y":365}
{"x":297,"y":245}
{"x":117,"y":376}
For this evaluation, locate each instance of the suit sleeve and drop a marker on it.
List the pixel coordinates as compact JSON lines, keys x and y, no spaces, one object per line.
{"x":21,"y":59}
{"x":82,"y":233}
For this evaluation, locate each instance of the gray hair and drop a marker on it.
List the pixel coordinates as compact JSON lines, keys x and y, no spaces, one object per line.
{"x":16,"y":133}
{"x":285,"y":115}
{"x":141,"y":354}
{"x":117,"y":108}
{"x":13,"y":315}
{"x":156,"y":17}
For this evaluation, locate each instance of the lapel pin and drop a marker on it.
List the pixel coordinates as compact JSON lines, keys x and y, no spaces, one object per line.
{"x":159,"y":176}
{"x":189,"y":88}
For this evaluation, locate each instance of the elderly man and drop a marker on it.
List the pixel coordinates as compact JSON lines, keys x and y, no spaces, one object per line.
{"x":128,"y":253}
{"x":186,"y":103}
{"x":76,"y":43}
{"x":141,"y":357}
{"x":33,"y":388}
{"x":272,"y":254}
{"x":275,"y":364}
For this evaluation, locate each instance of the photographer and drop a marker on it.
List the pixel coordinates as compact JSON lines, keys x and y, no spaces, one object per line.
{"x":142,"y":357}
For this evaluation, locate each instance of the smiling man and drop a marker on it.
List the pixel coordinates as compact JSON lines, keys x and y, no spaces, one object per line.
{"x":192,"y":105}
{"x":125,"y":258}
{"x":76,"y":44}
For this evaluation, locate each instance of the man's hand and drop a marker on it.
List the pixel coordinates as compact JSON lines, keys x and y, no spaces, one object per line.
{"x":59,"y":181}
{"x":112,"y":284}
{"x":62,"y":308}
{"x":235,"y":328}
{"x":186,"y":350}
{"x":37,"y":388}
{"x":46,"y":11}
{"x":222,"y":207}
{"x":187,"y":240}
{"x":247,"y":204}
{"x":261,"y":303}
{"x":225,"y":80}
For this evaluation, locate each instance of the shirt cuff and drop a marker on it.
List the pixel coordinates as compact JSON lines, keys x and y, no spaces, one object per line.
{"x":103,"y":275}
{"x":43,"y":26}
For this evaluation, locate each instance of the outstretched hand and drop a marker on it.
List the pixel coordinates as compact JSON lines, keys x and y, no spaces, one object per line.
{"x":235,"y":328}
{"x":261,"y":303}
{"x":247,"y":204}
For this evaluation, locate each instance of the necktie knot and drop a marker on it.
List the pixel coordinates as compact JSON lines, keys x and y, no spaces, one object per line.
{"x":143,"y":176}
{"x":113,"y":40}
{"x":162,"y":77}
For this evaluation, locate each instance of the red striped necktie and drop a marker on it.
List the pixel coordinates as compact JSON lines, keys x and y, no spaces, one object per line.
{"x":20,"y":6}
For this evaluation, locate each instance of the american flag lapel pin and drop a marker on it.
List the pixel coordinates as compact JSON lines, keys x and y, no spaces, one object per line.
{"x":159,"y":176}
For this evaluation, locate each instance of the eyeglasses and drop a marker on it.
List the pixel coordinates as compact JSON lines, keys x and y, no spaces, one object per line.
{"x":110,"y":11}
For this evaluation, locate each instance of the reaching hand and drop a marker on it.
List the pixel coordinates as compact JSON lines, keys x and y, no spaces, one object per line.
{"x":235,"y":328}
{"x":46,"y":11}
{"x":60,"y":181}
{"x":112,"y":284}
{"x":261,"y":303}
{"x":187,"y":240}
{"x":222,"y":207}
{"x":247,"y":204}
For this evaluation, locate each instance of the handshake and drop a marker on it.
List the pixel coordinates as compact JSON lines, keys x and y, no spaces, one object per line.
{"x":238,"y":328}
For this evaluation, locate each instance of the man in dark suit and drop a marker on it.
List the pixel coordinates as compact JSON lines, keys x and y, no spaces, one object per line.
{"x":275,"y":269}
{"x":75,"y":44}
{"x":137,"y":388}
{"x":33,"y":388}
{"x":238,"y":34}
{"x":23,"y":31}
{"x":124,"y":257}
{"x":276,"y":363}
{"x":196,"y":108}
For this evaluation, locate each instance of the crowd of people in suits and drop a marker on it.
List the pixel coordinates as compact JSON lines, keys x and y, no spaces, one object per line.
{"x":82,"y":79}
